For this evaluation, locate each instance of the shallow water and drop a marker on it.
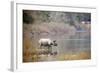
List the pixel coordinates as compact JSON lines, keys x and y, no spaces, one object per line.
{"x":72,"y":45}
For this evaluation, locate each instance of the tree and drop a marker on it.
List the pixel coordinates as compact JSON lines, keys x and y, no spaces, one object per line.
{"x":27,"y":18}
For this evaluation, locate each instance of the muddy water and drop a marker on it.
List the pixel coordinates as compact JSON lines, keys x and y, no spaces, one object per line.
{"x":74,"y":44}
{"x":68,"y":44}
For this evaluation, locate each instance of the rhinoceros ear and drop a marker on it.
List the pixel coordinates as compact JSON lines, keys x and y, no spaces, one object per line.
{"x":54,"y":41}
{"x":51,"y":43}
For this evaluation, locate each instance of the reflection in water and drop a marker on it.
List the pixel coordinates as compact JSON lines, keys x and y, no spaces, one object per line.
{"x":74,"y":44}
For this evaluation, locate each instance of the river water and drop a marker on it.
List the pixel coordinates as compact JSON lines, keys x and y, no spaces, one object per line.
{"x":79,"y":42}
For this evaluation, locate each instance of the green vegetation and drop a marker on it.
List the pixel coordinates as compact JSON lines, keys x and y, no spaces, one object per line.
{"x":28,"y":19}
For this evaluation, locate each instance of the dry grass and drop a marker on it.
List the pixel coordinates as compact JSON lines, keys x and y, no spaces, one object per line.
{"x":78,"y":56}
